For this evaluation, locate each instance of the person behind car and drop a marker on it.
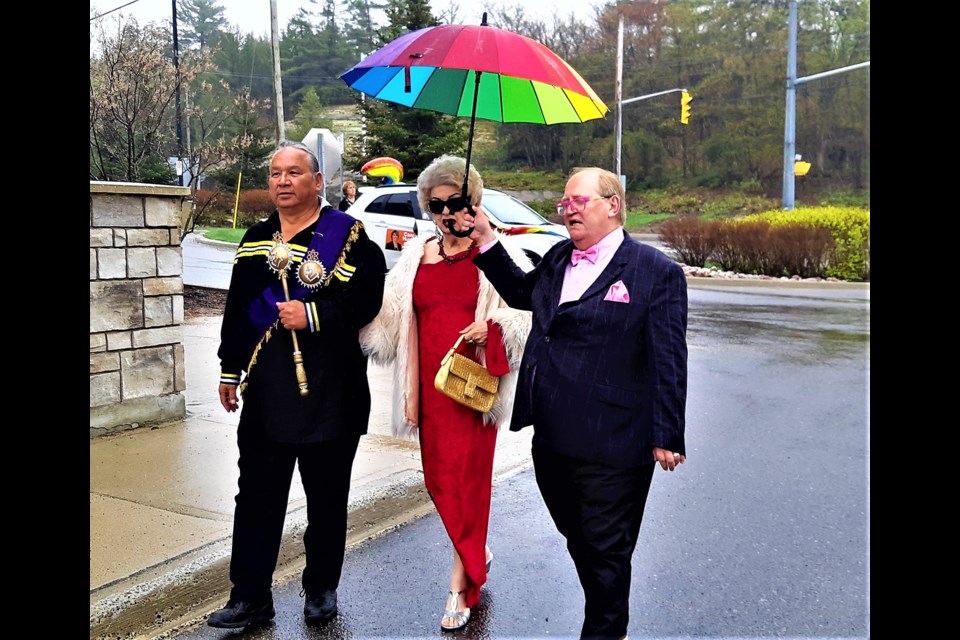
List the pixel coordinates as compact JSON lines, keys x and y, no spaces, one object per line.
{"x":349,"y":190}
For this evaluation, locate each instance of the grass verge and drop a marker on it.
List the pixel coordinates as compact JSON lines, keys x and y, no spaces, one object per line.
{"x":222,"y":234}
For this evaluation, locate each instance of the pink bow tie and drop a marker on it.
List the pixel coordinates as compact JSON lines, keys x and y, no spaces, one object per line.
{"x":590,"y":255}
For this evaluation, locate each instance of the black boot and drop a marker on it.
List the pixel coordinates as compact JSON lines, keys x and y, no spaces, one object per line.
{"x":320,"y":608}
{"x":239,"y":613}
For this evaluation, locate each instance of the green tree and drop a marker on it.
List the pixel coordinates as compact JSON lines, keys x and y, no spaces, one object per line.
{"x":247,"y":166}
{"x":298,"y":58}
{"x":359,"y":32}
{"x":413,"y":136}
{"x":833,"y":123}
{"x":314,"y":52}
{"x":222,"y":133}
{"x":731,"y":56}
{"x":537,"y":146}
{"x":132,"y":94}
{"x":199,"y":22}
{"x":309,"y":116}
{"x":246,"y":63}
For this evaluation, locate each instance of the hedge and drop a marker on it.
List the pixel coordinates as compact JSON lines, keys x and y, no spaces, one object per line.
{"x":809,"y":242}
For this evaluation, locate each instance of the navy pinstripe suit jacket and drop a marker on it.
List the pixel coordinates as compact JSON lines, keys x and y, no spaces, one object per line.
{"x":600,"y":381}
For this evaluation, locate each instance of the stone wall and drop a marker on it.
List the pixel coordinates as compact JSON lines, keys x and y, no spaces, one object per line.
{"x":136,"y":306}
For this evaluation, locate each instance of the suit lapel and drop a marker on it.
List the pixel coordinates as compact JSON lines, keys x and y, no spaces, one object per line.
{"x":553,"y":280}
{"x":611,"y":273}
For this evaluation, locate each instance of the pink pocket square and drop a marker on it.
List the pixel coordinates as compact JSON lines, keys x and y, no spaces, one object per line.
{"x":618,"y":292}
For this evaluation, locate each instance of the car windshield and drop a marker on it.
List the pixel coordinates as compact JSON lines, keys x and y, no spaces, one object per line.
{"x":509,"y":210}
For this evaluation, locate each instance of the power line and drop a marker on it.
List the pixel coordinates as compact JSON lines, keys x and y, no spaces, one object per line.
{"x":112,"y":10}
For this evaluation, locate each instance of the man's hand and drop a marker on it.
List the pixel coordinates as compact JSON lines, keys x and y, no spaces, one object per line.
{"x":293,"y":315}
{"x":228,"y":397}
{"x":482,"y":231}
{"x":668,"y":459}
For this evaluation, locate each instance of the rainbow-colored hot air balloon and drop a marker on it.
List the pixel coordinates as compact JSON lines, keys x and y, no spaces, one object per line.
{"x":389,"y":170}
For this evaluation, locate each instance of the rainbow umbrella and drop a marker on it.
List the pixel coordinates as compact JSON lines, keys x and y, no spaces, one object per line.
{"x":477,"y":71}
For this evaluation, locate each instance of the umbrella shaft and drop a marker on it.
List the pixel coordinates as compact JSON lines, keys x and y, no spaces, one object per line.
{"x":473,"y":119}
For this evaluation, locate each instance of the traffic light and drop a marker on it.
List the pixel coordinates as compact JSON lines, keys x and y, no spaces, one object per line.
{"x":685,"y":107}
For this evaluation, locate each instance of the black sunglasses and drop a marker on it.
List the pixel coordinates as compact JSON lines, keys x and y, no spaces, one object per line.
{"x":452,"y":204}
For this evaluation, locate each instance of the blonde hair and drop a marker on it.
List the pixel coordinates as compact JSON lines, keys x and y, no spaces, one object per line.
{"x":448,"y":170}
{"x":609,"y":185}
{"x":348,"y":183}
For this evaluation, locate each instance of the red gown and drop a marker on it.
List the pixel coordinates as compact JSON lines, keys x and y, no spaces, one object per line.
{"x":456,"y":448}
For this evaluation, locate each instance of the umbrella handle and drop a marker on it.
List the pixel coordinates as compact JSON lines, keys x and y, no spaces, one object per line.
{"x":463,"y":233}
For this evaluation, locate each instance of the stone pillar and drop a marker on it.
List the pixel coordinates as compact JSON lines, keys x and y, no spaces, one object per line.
{"x":136,"y":306}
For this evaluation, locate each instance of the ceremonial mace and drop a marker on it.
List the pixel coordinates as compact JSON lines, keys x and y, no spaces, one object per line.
{"x":279,"y":260}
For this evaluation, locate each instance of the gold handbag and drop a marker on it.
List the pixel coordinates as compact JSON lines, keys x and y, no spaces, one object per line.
{"x":465,"y":381}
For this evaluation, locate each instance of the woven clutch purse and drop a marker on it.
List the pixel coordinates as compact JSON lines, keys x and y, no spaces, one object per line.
{"x":466,"y":381}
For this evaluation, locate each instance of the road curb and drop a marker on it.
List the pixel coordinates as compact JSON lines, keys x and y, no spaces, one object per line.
{"x":181,"y":592}
{"x":201,"y":237}
{"x":162,"y":598}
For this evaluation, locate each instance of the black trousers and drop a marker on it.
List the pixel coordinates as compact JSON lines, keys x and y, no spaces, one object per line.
{"x":266,"y":471}
{"x":598,"y":509}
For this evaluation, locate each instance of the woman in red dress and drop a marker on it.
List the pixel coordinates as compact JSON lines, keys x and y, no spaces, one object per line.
{"x":433,"y":295}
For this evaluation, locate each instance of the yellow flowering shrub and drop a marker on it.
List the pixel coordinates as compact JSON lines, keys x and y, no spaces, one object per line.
{"x":849,"y":227}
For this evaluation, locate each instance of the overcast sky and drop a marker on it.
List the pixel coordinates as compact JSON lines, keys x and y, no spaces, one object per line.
{"x":253,"y":16}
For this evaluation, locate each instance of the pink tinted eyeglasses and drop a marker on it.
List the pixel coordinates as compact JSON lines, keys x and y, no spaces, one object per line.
{"x":576,"y":205}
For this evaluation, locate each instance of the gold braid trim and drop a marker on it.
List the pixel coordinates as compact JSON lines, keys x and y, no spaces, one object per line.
{"x":253,"y":359}
{"x":354,"y":234}
{"x":351,"y":238}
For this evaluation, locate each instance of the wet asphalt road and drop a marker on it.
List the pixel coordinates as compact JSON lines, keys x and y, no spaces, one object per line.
{"x":763,"y":533}
{"x":206,"y":264}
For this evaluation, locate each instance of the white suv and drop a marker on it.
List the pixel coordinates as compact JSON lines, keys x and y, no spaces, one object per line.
{"x":391,"y":214}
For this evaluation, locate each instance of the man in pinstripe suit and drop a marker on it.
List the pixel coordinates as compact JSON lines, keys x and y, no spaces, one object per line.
{"x":603,"y":381}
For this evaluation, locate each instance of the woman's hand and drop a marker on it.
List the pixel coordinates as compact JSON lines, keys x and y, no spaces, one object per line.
{"x":476,"y":333}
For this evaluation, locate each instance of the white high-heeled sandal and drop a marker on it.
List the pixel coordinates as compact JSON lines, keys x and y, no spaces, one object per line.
{"x":461,"y":617}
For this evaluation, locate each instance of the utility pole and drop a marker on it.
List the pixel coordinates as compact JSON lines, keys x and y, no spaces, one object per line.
{"x":277,"y":88}
{"x":618,"y":98}
{"x":790,"y":121}
{"x":186,"y":100}
{"x":176,"y":66}
{"x":618,"y":90}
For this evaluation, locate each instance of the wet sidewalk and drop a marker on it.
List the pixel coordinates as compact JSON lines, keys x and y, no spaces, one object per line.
{"x":161,"y":501}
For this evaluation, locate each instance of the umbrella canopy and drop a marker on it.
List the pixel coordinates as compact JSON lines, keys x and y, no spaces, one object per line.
{"x":476,"y":72}
{"x":520,"y":80}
